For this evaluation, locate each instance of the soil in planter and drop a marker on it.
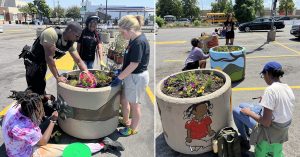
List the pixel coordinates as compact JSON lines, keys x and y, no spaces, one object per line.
{"x":103,"y":79}
{"x":192,"y":84}
{"x":227,"y":48}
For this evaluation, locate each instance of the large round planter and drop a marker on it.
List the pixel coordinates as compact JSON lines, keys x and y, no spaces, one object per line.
{"x":173,"y":112}
{"x":232,"y":63}
{"x":94,"y":110}
{"x":104,"y":36}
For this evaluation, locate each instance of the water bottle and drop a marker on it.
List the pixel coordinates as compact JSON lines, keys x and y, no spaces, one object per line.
{"x":215,"y":146}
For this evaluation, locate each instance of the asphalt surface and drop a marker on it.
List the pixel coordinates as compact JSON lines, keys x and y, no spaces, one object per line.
{"x":13,"y":78}
{"x":172,"y":46}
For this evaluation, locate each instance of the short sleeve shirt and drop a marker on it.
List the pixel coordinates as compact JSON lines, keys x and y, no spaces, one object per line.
{"x":198,"y":129}
{"x":138,"y":51}
{"x":20,"y":134}
{"x":279,"y":98}
{"x":50,"y":36}
{"x":196,"y":54}
{"x":88,"y":43}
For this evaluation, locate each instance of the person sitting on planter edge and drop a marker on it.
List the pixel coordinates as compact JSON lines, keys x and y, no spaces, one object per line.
{"x":274,"y":110}
{"x":89,"y":43}
{"x":134,"y":71}
{"x":196,"y":57}
{"x":23,"y":137}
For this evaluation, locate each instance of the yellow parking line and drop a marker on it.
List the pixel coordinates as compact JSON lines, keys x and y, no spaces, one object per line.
{"x":257,"y":88}
{"x":150,"y":94}
{"x":169,"y":42}
{"x":13,"y":30}
{"x":287,"y":47}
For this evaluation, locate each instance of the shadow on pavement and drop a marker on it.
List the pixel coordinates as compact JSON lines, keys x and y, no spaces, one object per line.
{"x":260,"y":48}
{"x":295,"y":39}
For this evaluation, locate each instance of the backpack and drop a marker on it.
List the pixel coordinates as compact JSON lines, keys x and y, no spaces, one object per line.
{"x":228,"y":143}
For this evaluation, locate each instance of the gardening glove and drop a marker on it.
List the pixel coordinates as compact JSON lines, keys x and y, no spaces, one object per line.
{"x":116,"y":82}
{"x":102,"y":63}
{"x":117,"y":72}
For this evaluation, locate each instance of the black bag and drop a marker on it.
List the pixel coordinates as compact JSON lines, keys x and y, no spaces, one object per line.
{"x":228,"y":143}
{"x":25,"y":51}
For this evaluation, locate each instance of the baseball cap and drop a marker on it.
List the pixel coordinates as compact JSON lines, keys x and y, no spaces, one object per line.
{"x":271,"y":66}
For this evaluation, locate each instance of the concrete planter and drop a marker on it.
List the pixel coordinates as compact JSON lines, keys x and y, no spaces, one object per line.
{"x":232,"y":63}
{"x":94,"y":111}
{"x":104,"y":36}
{"x":177,"y":116}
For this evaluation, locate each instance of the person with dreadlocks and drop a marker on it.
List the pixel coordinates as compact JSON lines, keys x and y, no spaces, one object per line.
{"x":199,"y":131}
{"x":23,"y":137}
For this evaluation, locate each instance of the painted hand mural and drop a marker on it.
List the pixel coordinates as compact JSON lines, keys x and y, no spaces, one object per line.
{"x":198,"y":126}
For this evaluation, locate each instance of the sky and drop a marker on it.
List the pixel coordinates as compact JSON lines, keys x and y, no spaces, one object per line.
{"x":203,"y":4}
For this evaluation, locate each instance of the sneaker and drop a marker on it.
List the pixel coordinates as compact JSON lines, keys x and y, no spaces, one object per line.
{"x":127,"y":131}
{"x":245,"y":146}
{"x":110,"y":144}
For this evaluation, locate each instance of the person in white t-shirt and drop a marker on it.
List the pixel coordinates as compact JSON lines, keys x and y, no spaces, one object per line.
{"x":276,"y":104}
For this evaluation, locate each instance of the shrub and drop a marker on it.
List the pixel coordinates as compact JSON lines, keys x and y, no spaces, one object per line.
{"x":196,"y":23}
{"x":160,"y":21}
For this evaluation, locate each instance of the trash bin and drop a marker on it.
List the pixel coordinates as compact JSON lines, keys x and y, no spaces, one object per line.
{"x":177,"y":115}
{"x":95,"y":111}
{"x":230,"y":59}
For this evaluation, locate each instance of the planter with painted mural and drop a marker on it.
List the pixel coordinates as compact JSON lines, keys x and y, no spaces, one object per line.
{"x":88,"y":113}
{"x":230,"y":59}
{"x":191,"y":115}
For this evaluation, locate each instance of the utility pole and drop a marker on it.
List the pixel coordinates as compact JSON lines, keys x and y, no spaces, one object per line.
{"x":272,"y":33}
{"x":106,"y":12}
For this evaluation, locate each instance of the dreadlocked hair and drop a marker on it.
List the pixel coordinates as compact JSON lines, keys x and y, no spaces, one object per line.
{"x":189,"y":112}
{"x":31,"y":104}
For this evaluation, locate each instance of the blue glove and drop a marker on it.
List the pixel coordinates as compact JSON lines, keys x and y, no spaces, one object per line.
{"x":116,"y":82}
{"x":117,"y":72}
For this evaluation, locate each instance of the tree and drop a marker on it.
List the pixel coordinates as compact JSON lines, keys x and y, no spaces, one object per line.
{"x":286,"y":6}
{"x":58,"y":12}
{"x":222,"y":7}
{"x":244,"y":10}
{"x":42,"y":8}
{"x":259,"y":7}
{"x":73,"y":12}
{"x":29,"y":9}
{"x":169,"y":7}
{"x":190,"y":9}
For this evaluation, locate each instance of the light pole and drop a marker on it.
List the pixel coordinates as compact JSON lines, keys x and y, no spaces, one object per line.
{"x":106,"y":12}
{"x":4,"y":17}
{"x":272,"y":33}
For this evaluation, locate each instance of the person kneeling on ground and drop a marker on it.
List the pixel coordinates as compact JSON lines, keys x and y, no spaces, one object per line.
{"x":275,"y":108}
{"x":196,"y":57}
{"x":23,"y":137}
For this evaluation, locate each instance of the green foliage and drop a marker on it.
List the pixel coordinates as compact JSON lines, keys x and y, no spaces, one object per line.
{"x":259,"y":7}
{"x":169,"y":7}
{"x":227,"y":48}
{"x":196,"y":23}
{"x":244,"y":10}
{"x":73,"y":12}
{"x":160,"y":21}
{"x":29,"y":9}
{"x":190,"y":9}
{"x":42,"y":7}
{"x":222,"y":7}
{"x":286,"y":6}
{"x":58,"y":12}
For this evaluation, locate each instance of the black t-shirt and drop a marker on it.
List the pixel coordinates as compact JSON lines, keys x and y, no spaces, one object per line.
{"x":138,"y":51}
{"x":88,"y":42}
{"x":229,"y":24}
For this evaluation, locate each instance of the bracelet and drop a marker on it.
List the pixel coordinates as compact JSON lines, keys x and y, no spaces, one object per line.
{"x":53,"y":121}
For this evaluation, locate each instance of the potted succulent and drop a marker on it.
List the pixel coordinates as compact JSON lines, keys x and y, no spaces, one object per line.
{"x":230,"y":59}
{"x":190,"y":97}
{"x":92,"y":102}
{"x":120,"y":46}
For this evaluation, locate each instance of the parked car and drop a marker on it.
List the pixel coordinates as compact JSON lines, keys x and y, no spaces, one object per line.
{"x":295,"y":30}
{"x":184,"y":20}
{"x":284,"y":18}
{"x":261,"y":24}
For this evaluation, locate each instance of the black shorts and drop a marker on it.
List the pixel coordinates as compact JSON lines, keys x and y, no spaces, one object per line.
{"x":192,"y":65}
{"x":230,"y":35}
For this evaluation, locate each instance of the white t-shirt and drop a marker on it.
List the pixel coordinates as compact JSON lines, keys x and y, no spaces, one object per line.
{"x":279,"y":98}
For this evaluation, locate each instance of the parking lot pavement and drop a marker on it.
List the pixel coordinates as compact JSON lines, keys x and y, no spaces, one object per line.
{"x":13,"y":78}
{"x":172,"y":49}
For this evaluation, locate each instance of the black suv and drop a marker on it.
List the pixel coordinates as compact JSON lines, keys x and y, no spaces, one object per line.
{"x":295,"y":30}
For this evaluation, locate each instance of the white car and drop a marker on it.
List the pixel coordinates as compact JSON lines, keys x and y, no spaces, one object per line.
{"x":1,"y":29}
